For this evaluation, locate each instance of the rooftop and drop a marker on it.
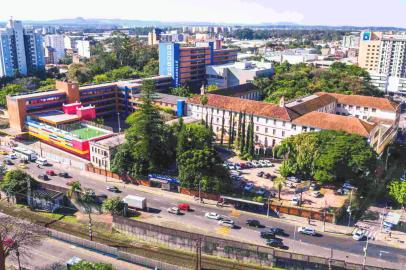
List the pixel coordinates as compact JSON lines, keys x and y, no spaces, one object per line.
{"x":327,"y":121}
{"x":165,"y":98}
{"x":112,"y":141}
{"x":236,"y":90}
{"x":383,"y":104}
{"x":56,"y":117}
{"x":249,"y":106}
{"x":310,"y":103}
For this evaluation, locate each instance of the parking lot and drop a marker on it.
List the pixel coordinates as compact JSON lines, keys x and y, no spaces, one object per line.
{"x":327,"y":197}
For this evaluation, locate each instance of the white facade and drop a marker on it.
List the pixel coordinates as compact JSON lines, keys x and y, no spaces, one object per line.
{"x":393,"y":56}
{"x":16,"y":30}
{"x":58,"y":43}
{"x":238,"y":73}
{"x":83,"y":47}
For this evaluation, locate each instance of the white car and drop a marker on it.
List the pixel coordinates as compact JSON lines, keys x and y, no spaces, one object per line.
{"x":212,"y":215}
{"x":316,"y":194}
{"x":263,"y":163}
{"x":226,"y":223}
{"x":358,"y":235}
{"x":174,"y":210}
{"x":348,"y":186}
{"x":12,"y":156}
{"x":256,"y":164}
{"x":268,"y":163}
{"x":308,"y":231}
{"x":295,"y":201}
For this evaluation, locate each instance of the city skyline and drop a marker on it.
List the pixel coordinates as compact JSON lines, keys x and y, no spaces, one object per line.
{"x":311,"y":12}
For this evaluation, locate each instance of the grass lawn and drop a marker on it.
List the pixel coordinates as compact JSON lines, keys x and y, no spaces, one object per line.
{"x":87,"y":133}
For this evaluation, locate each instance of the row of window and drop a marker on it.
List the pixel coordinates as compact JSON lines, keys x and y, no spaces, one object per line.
{"x":366,"y":109}
{"x":99,"y":151}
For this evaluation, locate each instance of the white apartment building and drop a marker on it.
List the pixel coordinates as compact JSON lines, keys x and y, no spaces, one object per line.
{"x":393,"y":55}
{"x":376,"y":119}
{"x":229,"y":75}
{"x":83,"y":47}
{"x":57,"y":42}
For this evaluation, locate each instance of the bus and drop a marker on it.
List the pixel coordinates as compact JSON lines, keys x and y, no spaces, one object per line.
{"x":25,"y":153}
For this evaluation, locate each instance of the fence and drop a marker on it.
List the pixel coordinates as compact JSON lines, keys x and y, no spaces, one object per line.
{"x":113,"y":251}
{"x":231,"y":249}
{"x":301,"y":212}
{"x":64,"y":161}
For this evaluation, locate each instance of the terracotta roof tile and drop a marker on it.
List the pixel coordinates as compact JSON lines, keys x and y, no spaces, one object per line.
{"x":257,"y":108}
{"x":312,"y":104}
{"x":383,"y":104}
{"x":327,"y":121}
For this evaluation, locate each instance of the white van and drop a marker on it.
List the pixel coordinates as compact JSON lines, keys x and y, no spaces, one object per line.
{"x":41,"y":161}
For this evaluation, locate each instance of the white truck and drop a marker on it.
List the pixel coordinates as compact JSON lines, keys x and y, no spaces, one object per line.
{"x":135,"y":202}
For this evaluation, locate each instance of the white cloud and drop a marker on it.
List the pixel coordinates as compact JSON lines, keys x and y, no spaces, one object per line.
{"x":231,"y":11}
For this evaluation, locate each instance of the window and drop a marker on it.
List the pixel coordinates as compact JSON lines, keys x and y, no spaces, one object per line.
{"x":217,"y":120}
{"x":365,"y":109}
{"x":266,"y":130}
{"x":274,"y":131}
{"x":311,"y":129}
{"x":294,"y":127}
{"x":364,"y":117}
{"x":358,"y":107}
{"x":351,"y":106}
{"x":338,"y":105}
{"x":357,"y":115}
{"x":257,"y":128}
{"x":373,"y":110}
{"x":304,"y":129}
{"x":283,"y":123}
{"x":274,"y":122}
{"x":283,"y":133}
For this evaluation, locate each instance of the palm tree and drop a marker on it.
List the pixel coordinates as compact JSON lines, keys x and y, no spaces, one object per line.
{"x":278,"y":182}
{"x":74,"y":187}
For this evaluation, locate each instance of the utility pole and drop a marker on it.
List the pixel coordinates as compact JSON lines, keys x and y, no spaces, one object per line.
{"x":269,"y":199}
{"x":349,"y":209}
{"x":18,"y":257}
{"x":365,"y":253}
{"x":90,"y":226}
{"x":200,"y":193}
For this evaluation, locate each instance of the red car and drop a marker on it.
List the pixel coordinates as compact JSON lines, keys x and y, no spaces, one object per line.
{"x":184,"y":207}
{"x":50,"y":172}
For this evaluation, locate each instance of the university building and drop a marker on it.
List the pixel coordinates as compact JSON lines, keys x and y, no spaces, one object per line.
{"x":375,"y":119}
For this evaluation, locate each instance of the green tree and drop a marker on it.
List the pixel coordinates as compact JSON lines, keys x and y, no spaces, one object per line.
{"x":9,"y":90}
{"x":212,"y":87}
{"x":204,"y":166}
{"x":150,"y":140}
{"x":16,"y":182}
{"x":85,"y":265}
{"x":101,"y":78}
{"x":151,"y":68}
{"x":278,"y":183}
{"x":75,"y":187}
{"x":222,"y":129}
{"x":181,"y":91}
{"x":79,"y":73}
{"x":114,"y":206}
{"x":194,"y":136}
{"x":397,"y":190}
{"x":121,"y":160}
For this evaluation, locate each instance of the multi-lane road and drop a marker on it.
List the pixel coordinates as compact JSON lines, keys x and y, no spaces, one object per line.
{"x":339,"y":246}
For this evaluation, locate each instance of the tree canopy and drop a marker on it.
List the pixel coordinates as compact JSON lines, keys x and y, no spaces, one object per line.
{"x":397,"y":190}
{"x":16,"y":181}
{"x":293,"y":81}
{"x":85,"y":265}
{"x":328,"y":156}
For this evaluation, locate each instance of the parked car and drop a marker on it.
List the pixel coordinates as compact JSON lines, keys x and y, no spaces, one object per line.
{"x":174,"y":210}
{"x":290,"y":185}
{"x":358,"y":235}
{"x":277,"y":243}
{"x":263,"y":163}
{"x":249,"y":165}
{"x":253,"y":223}
{"x":269,"y":163}
{"x":296,"y":201}
{"x":314,"y":186}
{"x":213,"y":215}
{"x":293,"y":179}
{"x":267,"y":234}
{"x":237,"y":166}
{"x":260,"y":174}
{"x":226,"y":223}
{"x":308,"y":231}
{"x":231,"y":167}
{"x":64,"y":174}
{"x":347,"y":185}
{"x":113,"y":189}
{"x":184,"y":206}
{"x":2,"y":152}
{"x":256,"y":164}
{"x":234,"y":172}
{"x":249,"y":187}
{"x":22,"y":166}
{"x":12,"y":156}
{"x":261,"y":191}
{"x":268,"y":176}
{"x":316,"y":194}
{"x":43,"y":177}
{"x":50,"y":172}
{"x":277,"y":231}
{"x":8,"y":162}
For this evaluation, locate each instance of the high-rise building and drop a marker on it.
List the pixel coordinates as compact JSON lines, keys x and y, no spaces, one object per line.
{"x":369,"y":51}
{"x":21,"y":50}
{"x":187,"y":65}
{"x":58,"y":44}
{"x":351,"y":41}
{"x":393,"y":55}
{"x":83,"y":47}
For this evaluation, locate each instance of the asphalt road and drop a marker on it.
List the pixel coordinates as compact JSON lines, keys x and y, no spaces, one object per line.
{"x":341,"y":247}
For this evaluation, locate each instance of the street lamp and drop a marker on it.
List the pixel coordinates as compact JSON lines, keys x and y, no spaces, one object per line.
{"x":365,"y":253}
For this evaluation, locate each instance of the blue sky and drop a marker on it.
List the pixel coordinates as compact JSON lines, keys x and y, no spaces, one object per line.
{"x":310,"y":12}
